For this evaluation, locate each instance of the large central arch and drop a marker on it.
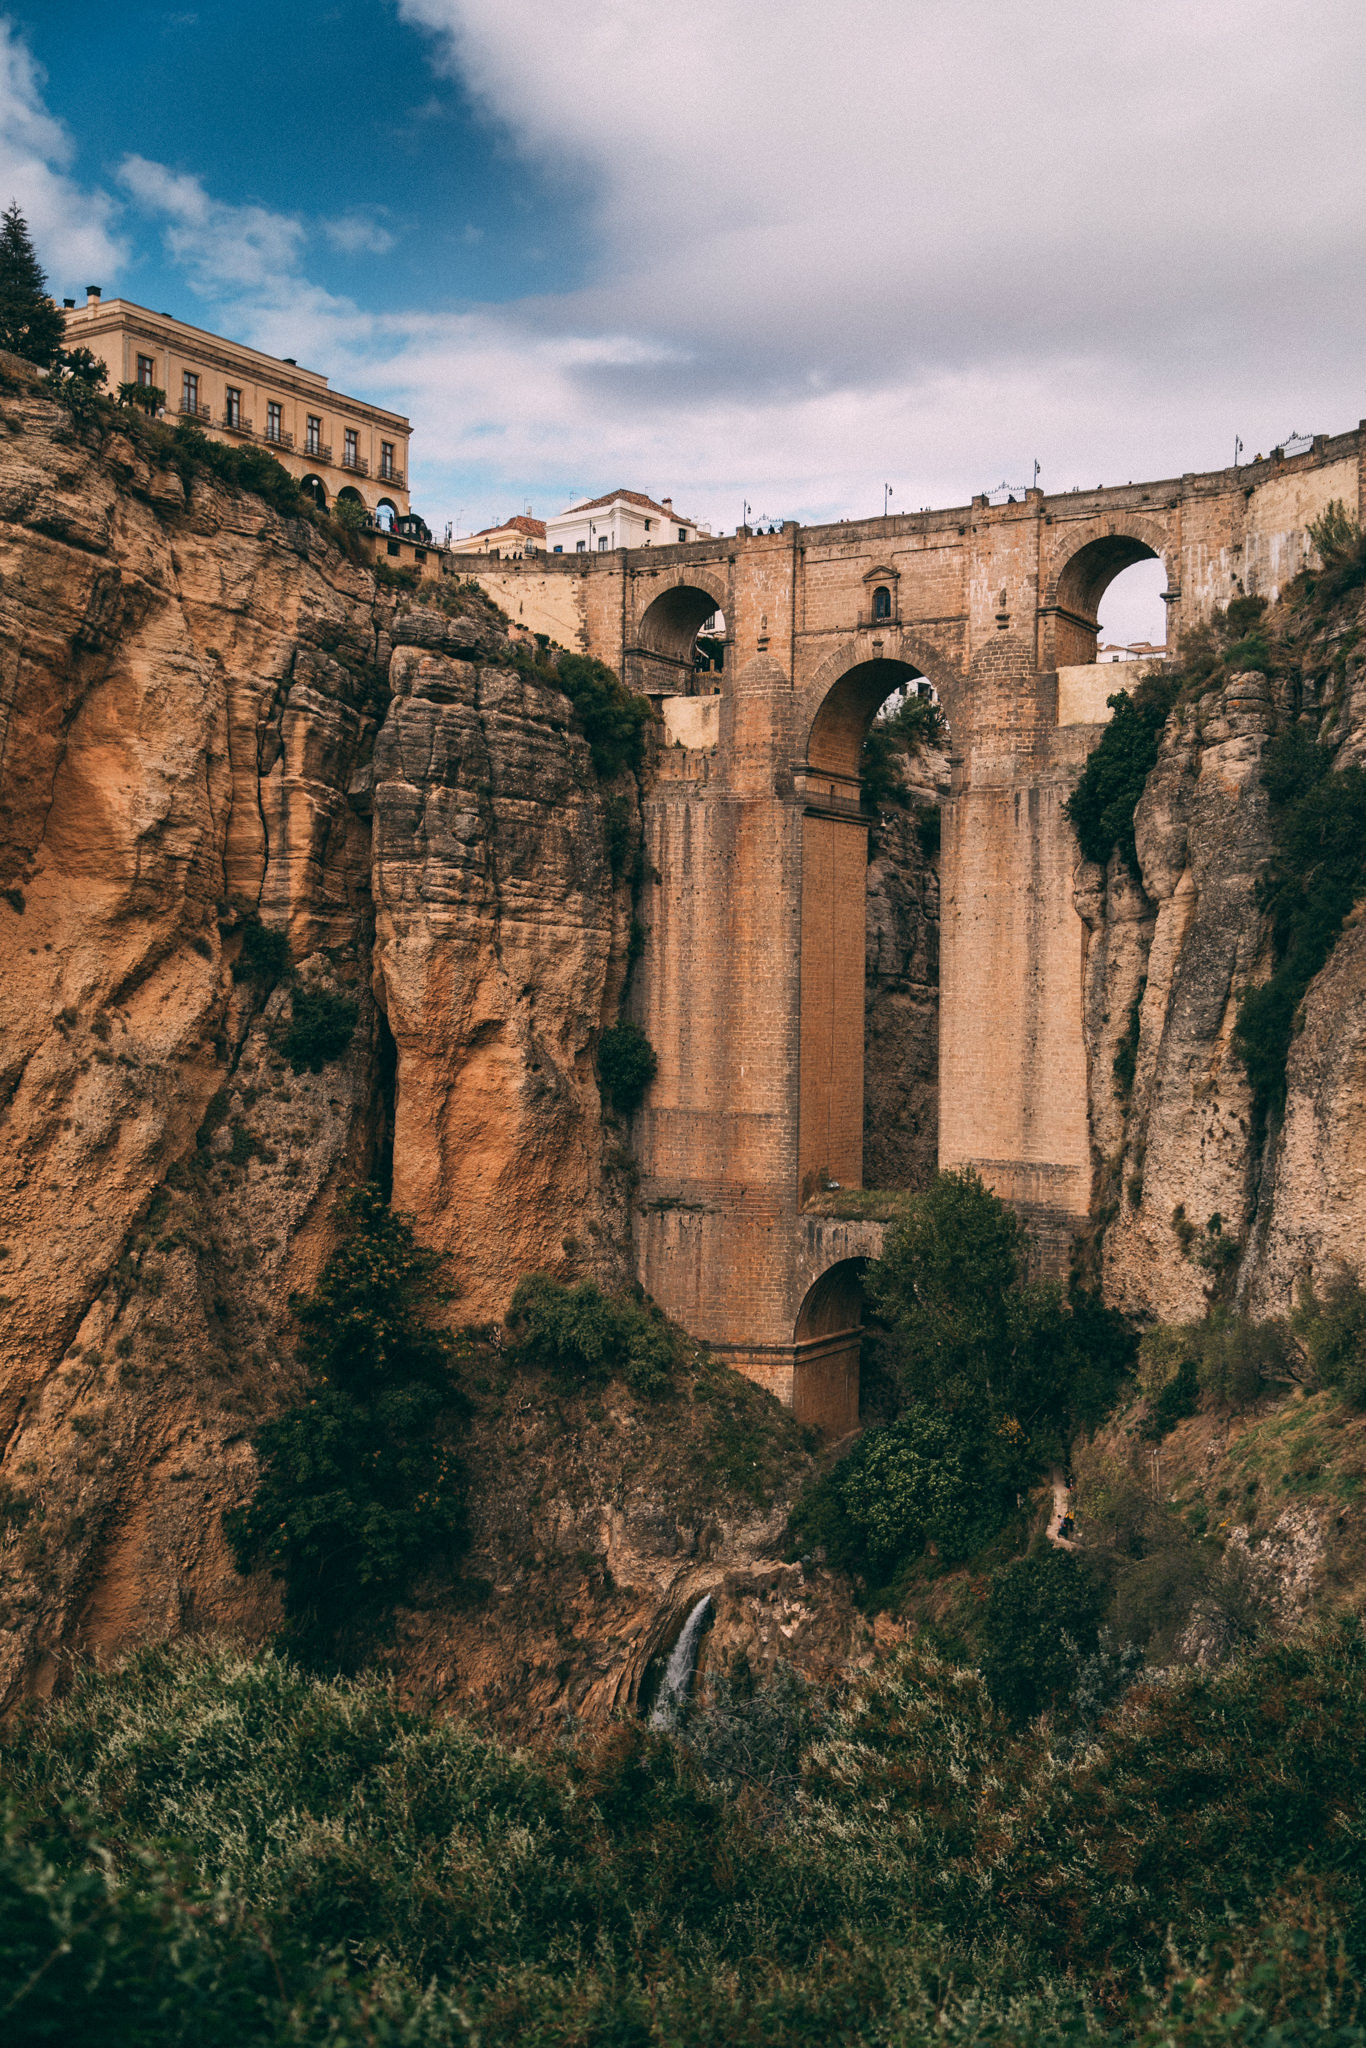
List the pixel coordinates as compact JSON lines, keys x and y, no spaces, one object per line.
{"x":834,"y":883}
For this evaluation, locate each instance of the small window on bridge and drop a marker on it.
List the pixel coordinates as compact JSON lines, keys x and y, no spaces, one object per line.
{"x":882,"y":602}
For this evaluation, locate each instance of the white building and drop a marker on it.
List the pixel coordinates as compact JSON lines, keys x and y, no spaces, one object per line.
{"x":623,"y":519}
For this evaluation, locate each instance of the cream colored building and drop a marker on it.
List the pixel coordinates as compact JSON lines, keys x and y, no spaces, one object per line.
{"x":336,"y":446}
{"x":514,"y":538}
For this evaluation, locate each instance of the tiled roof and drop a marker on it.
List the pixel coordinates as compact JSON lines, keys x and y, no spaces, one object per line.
{"x":632,"y":498}
{"x":521,"y":524}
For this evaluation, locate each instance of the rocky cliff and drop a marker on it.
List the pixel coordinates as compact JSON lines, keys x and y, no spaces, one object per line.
{"x":1198,"y":1192}
{"x":242,"y":786}
{"x":192,"y":772}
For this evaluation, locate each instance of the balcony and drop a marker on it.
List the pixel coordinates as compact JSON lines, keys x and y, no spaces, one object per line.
{"x":316,"y":451}
{"x":356,"y":463}
{"x":394,"y":477}
{"x":195,"y":412}
{"x":235,"y":422}
{"x":278,"y":439}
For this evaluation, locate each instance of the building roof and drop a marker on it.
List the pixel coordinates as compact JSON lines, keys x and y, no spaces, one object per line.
{"x":632,"y":498}
{"x":521,"y":524}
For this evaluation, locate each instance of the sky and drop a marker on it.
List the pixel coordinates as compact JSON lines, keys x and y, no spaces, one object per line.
{"x":776,"y":253}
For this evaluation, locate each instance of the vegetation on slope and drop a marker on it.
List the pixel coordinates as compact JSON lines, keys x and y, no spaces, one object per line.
{"x":208,"y":1849}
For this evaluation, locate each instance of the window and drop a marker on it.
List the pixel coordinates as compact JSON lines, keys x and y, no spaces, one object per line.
{"x":274,"y":421}
{"x":232,"y":407}
{"x":647,"y":526}
{"x":557,"y":550}
{"x":682,"y":533}
{"x":419,"y":554}
{"x":351,"y":451}
{"x":386,"y":458}
{"x":314,"y":435}
{"x":882,"y":602}
{"x":603,"y":539}
{"x":189,"y":392}
{"x":581,"y":547}
{"x":146,"y":371}
{"x":392,"y":547}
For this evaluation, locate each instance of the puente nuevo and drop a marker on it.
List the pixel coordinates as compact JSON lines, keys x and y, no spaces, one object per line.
{"x":751,"y":982}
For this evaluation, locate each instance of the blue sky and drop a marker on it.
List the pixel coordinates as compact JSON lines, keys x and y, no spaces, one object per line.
{"x":769,"y":251}
{"x":334,"y":111}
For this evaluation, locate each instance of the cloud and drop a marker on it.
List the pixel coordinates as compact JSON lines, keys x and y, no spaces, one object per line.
{"x":359,"y":233}
{"x":223,"y":249}
{"x":1104,"y":236}
{"x":72,"y":229}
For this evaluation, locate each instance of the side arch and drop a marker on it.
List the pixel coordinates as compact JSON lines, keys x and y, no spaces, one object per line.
{"x":1083,"y":563}
{"x":659,"y":653}
{"x":821,"y":714}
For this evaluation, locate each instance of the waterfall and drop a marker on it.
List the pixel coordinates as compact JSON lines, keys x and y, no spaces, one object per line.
{"x":673,"y":1687}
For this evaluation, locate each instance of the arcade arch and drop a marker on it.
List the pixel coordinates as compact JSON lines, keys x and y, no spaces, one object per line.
{"x":664,"y":659}
{"x":316,"y":489}
{"x":1082,"y":583}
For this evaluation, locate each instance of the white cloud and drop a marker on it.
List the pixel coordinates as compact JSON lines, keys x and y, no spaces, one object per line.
{"x":941,"y":234}
{"x":72,"y":229}
{"x":224,"y":250}
{"x":359,"y":233}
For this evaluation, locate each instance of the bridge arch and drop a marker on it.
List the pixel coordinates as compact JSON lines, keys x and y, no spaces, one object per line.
{"x":826,"y":1340}
{"x":1084,"y":564}
{"x":659,"y":655}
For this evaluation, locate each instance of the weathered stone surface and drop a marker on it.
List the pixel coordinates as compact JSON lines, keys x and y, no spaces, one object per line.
{"x":185,"y":691}
{"x":501,"y":951}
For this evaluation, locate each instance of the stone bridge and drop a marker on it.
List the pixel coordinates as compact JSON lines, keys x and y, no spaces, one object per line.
{"x":751,"y":985}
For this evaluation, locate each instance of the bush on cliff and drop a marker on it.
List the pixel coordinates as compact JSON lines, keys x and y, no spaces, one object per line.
{"x":1102,"y":805}
{"x":586,"y":1337}
{"x":324,"y":1022}
{"x":627,"y":1064}
{"x":1042,"y":1620}
{"x":1315,"y":877}
{"x":359,"y":1488}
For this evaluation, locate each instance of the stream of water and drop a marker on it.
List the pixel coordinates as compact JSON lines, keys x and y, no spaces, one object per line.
{"x":673,"y":1687}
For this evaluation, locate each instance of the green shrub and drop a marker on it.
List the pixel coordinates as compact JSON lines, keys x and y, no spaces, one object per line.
{"x":929,"y":821}
{"x":1341,"y":546}
{"x":1173,"y":1403}
{"x":889,"y":743}
{"x":241,"y":469}
{"x":586,"y":1337}
{"x":1330,"y":1328}
{"x":1316,"y":875}
{"x":30,"y":324}
{"x":359,"y":1490}
{"x":1042,"y":1619}
{"x":926,"y":1478}
{"x":613,"y":719}
{"x":972,"y":1333}
{"x":1102,"y":805}
{"x":322,"y":1028}
{"x":1125,"y":1064}
{"x":264,"y":952}
{"x":627,"y":1064}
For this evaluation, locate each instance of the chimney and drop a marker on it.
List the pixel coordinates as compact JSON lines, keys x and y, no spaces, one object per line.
{"x":92,"y":296}
{"x":667,"y":503}
{"x":68,"y":303}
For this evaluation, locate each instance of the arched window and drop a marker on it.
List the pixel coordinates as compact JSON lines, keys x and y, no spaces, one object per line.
{"x":882,"y":602}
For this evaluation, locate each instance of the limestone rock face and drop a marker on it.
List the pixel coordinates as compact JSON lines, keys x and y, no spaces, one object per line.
{"x":1181,"y":1162}
{"x":502,"y":933}
{"x":185,"y":686}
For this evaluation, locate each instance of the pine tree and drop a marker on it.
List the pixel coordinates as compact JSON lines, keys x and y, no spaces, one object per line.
{"x":30,"y":324}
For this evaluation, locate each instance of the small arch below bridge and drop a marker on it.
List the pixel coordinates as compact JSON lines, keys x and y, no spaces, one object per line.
{"x":1081,"y":585}
{"x":663,"y":659}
